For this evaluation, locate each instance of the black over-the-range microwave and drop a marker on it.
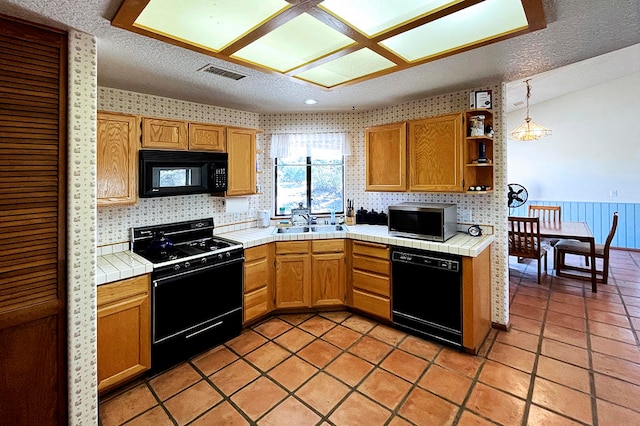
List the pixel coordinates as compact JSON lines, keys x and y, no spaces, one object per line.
{"x":427,"y":221}
{"x":167,"y":173}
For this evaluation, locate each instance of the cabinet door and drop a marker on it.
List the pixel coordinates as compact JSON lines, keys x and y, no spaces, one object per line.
{"x":436,"y":154}
{"x":207,"y":137}
{"x":124,"y":333}
{"x":117,"y":143}
{"x":293,"y":281}
{"x":241,"y":146}
{"x":164,"y":134}
{"x":258,"y":281}
{"x":385,"y":157}
{"x":328,"y":279}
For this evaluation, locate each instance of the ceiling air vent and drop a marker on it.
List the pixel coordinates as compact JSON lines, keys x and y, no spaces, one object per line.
{"x":221,"y":72}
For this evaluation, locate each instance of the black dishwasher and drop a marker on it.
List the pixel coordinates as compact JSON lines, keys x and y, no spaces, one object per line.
{"x":427,"y":293}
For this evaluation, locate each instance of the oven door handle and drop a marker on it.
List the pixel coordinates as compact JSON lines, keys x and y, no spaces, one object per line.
{"x":189,"y":336}
{"x":159,"y":281}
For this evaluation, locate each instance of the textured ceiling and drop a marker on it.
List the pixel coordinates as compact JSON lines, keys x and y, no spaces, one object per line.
{"x":576,"y":30}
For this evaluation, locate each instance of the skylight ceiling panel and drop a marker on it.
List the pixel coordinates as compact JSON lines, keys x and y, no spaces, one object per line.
{"x":372,"y":17}
{"x":296,"y":43}
{"x":483,"y":21}
{"x":346,"y":68}
{"x":205,"y":23}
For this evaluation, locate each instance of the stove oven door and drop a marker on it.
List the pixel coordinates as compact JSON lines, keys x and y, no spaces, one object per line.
{"x":194,"y":311}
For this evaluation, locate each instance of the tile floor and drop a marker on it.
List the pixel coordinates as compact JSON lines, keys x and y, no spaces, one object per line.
{"x":570,"y":358}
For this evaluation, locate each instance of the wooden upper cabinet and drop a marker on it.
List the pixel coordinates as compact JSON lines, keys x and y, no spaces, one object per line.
{"x":164,"y":134}
{"x":436,"y":162}
{"x":207,"y":137}
{"x":241,"y":146}
{"x":117,"y":143}
{"x":385,"y":157}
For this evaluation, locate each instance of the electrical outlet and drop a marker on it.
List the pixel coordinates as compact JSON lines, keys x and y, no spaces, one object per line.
{"x":613,"y":193}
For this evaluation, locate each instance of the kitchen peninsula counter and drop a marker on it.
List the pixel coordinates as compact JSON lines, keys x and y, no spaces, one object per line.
{"x":117,"y":265}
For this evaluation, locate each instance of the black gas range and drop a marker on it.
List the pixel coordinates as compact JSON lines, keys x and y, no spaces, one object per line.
{"x":196,"y":288}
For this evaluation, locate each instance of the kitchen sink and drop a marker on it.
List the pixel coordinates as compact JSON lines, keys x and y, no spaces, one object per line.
{"x":313,"y":228}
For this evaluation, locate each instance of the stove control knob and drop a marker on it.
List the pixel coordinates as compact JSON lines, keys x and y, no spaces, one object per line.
{"x":203,"y":260}
{"x":220,"y":256}
{"x":176,"y":267}
{"x":187,"y":264}
{"x":228,"y":254}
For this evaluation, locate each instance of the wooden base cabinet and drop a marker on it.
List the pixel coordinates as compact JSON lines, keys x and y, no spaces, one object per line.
{"x":476,"y":300}
{"x":293,"y":274}
{"x":258,"y":281}
{"x":124,"y":331}
{"x":328,"y":273}
{"x":370,"y":278}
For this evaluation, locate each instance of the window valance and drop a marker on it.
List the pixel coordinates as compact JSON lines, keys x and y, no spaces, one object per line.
{"x":285,"y":145}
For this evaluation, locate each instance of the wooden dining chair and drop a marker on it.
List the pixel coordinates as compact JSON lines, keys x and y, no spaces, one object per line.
{"x":545,"y":213}
{"x":580,"y":248}
{"x":524,"y":240}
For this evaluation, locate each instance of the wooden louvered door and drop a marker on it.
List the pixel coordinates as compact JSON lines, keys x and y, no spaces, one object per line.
{"x":32,"y":224}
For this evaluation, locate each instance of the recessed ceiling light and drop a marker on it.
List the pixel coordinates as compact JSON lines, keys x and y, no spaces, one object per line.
{"x":310,"y":102}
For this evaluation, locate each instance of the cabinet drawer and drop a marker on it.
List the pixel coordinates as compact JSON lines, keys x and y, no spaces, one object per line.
{"x":327,"y":246}
{"x":256,"y":303}
{"x":256,"y":252}
{"x":372,"y":283}
{"x":288,"y":247}
{"x":371,"y":249}
{"x":114,"y":292}
{"x":368,"y":264}
{"x":256,"y":274}
{"x":372,"y":304}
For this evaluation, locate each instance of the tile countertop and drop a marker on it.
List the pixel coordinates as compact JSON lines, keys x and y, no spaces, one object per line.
{"x":120,"y":265}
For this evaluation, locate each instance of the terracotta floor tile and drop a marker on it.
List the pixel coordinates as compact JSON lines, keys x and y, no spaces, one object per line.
{"x":405,"y":365}
{"x":234,"y":376}
{"x":373,"y":350}
{"x":399,"y":421}
{"x":570,"y":299}
{"x":156,"y":417}
{"x":566,"y":335}
{"x":615,"y":348}
{"x":190,"y":403}
{"x":565,"y":352}
{"x":295,"y":319}
{"x":525,"y":324}
{"x":536,"y":302}
{"x":319,"y":353}
{"x":539,"y":292}
{"x":293,"y":372}
{"x":247,"y":341}
{"x":605,"y":306}
{"x":317,"y":325}
{"x":496,"y":405}
{"x":336,"y":316}
{"x":616,"y":367}
{"x":171,"y":382}
{"x":290,"y":412}
{"x":322,"y":392}
{"x":612,"y":332}
{"x":420,"y":348}
{"x":358,"y":410}
{"x":467,"y":418}
{"x":505,"y":378}
{"x":519,"y":339}
{"x":258,"y":397}
{"x":527,"y":311}
{"x":562,"y":399}
{"x":568,"y":321}
{"x":214,"y":359}
{"x":463,"y":363}
{"x":272,"y":328}
{"x":222,"y":414}
{"x":609,"y":318}
{"x":342,"y":337}
{"x":539,"y":416}
{"x":387,"y":335}
{"x":563,"y":373}
{"x":512,"y":356}
{"x":617,"y":391}
{"x":446,"y":383}
{"x":613,"y":415}
{"x":385,"y":388}
{"x":267,"y":356}
{"x":567,"y":308}
{"x":349,"y":368}
{"x":127,"y":405}
{"x":358,"y":323}
{"x":424,"y":408}
{"x":294,"y":339}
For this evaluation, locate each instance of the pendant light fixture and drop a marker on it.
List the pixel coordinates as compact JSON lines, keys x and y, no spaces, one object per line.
{"x":529,"y":130}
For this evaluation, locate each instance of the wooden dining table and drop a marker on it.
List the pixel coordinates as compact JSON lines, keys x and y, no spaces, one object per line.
{"x":573,"y":231}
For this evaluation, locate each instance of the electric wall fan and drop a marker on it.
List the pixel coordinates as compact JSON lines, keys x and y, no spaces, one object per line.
{"x":517,"y":195}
